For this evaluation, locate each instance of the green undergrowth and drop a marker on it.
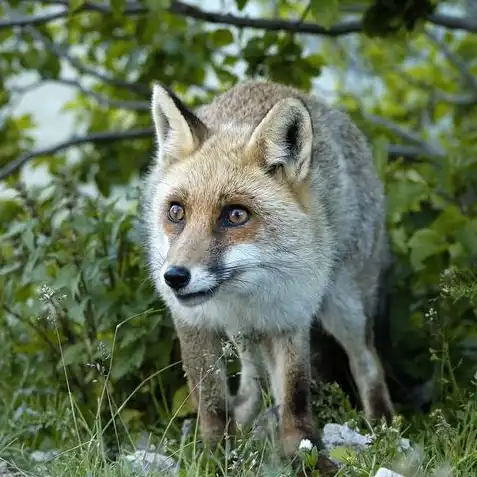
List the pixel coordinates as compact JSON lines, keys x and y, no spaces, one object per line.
{"x":443,"y":440}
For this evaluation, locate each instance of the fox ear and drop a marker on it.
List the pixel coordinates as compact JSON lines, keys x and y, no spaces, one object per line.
{"x":178,"y":130}
{"x":285,"y":138}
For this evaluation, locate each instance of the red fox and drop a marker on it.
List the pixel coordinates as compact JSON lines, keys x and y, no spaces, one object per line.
{"x":264,"y":214}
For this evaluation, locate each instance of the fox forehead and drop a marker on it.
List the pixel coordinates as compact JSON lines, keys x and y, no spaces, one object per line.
{"x":218,"y":174}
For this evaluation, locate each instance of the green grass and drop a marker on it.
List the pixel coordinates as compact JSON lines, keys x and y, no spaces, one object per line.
{"x":444,"y":439}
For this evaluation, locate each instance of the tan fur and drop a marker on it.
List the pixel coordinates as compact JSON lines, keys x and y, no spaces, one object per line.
{"x":313,"y":249}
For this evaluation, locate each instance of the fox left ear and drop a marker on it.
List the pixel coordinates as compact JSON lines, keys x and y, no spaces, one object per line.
{"x":285,"y":138}
{"x":178,"y":130}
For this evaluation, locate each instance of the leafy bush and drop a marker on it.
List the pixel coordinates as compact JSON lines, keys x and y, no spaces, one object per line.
{"x":75,"y":294}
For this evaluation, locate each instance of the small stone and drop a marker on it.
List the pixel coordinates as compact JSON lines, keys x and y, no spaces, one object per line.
{"x":151,"y":461}
{"x":335,"y":435}
{"x":40,"y":456}
{"x":383,"y":472}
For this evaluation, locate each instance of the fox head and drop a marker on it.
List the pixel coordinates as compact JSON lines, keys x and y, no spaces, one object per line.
{"x":231,"y":214}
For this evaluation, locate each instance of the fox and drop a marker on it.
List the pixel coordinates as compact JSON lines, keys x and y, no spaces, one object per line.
{"x":265,"y":215}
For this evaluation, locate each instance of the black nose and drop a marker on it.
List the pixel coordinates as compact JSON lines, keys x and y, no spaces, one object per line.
{"x":177,"y":277}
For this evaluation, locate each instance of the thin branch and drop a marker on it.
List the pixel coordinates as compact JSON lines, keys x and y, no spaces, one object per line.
{"x":426,"y":148}
{"x":453,"y":23}
{"x":455,"y":60}
{"x":61,"y":52}
{"x":186,"y":10}
{"x":95,"y":138}
{"x":189,"y":11}
{"x":464,"y":99}
{"x":32,"y":20}
{"x":410,"y":153}
{"x":103,"y":100}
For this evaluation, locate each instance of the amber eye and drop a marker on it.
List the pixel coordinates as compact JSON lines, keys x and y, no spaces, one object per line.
{"x":234,"y":215}
{"x":176,"y":213}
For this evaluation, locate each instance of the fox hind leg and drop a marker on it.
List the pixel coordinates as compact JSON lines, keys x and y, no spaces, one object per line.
{"x":344,"y":318}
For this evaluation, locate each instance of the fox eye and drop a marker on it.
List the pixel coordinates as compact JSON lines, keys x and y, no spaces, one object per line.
{"x":176,"y":213}
{"x":234,"y":215}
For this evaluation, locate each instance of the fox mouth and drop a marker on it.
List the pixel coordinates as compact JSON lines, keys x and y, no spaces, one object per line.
{"x":196,"y":298}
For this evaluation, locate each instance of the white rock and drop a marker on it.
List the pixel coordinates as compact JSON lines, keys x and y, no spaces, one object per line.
{"x":40,"y":456}
{"x":383,"y":472}
{"x":151,"y":461}
{"x":335,"y":435}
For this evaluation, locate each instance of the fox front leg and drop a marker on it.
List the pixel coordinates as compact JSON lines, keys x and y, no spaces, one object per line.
{"x":247,"y":401}
{"x":204,"y":366}
{"x":288,"y":360}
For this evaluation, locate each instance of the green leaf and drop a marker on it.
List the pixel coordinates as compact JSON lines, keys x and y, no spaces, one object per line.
{"x":241,"y":4}
{"x":222,"y":37}
{"x":380,"y":149}
{"x":129,"y":359}
{"x":182,"y":403}
{"x":75,"y":4}
{"x":326,"y":12}
{"x":449,"y":221}
{"x":425,"y":243}
{"x":73,"y":354}
{"x":467,"y":237}
{"x":118,"y":6}
{"x":7,"y":269}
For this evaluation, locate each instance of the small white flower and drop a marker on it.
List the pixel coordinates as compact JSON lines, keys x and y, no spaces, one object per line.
{"x":305,"y":444}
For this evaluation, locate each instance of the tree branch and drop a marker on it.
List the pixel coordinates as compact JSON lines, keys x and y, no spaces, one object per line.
{"x":95,"y":138}
{"x":454,"y":23}
{"x":427,"y":149}
{"x":463,"y":99}
{"x":190,"y":11}
{"x":196,"y":13}
{"x":61,"y":52}
{"x":455,"y":60}
{"x":410,"y":153}
{"x":103,"y":100}
{"x":32,"y":20}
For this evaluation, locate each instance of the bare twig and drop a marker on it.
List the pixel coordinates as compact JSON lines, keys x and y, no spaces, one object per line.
{"x":426,"y":148}
{"x":63,"y":53}
{"x":32,"y":20}
{"x":95,"y":138}
{"x":463,"y":69}
{"x":409,"y":153}
{"x":463,"y":99}
{"x":103,"y":100}
{"x":454,"y":23}
{"x":186,"y":10}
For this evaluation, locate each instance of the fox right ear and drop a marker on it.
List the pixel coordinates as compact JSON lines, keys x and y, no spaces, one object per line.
{"x":178,"y":130}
